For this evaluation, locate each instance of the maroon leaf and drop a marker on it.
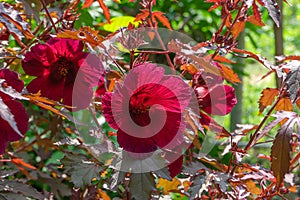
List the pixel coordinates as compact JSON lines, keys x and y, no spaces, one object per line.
{"x":273,"y":10}
{"x":280,"y":154}
{"x":293,"y":81}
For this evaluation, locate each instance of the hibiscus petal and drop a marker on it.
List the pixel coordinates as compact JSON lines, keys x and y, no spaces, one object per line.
{"x":78,"y":95}
{"x":48,"y":89}
{"x":21,"y":118}
{"x":3,"y":145}
{"x":219,"y":101}
{"x":175,"y":166}
{"x":107,"y":112}
{"x":171,"y":135}
{"x":40,"y":57}
{"x":90,"y":68}
{"x":12,"y":79}
{"x":135,"y":144}
{"x":141,"y":75}
{"x":67,"y":48}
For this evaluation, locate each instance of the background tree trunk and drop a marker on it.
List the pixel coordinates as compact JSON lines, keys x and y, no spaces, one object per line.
{"x":278,"y":36}
{"x":236,"y":114}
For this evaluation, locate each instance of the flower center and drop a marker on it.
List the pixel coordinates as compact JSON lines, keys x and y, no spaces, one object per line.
{"x":63,"y":69}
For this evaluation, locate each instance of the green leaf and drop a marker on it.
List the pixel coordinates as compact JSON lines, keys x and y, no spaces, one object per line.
{"x":119,"y":22}
{"x":81,"y":170}
{"x":141,"y":185}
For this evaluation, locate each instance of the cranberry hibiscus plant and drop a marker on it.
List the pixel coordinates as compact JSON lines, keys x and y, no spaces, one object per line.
{"x":98,"y":118}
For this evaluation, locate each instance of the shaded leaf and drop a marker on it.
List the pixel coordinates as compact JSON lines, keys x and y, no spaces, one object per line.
{"x":284,"y":104}
{"x":141,"y":185}
{"x":280,"y":154}
{"x":81,"y":170}
{"x":105,"y":9}
{"x":267,"y":98}
{"x":14,"y":22}
{"x":18,"y":187}
{"x":33,"y":10}
{"x":199,"y":185}
{"x":58,"y":188}
{"x":273,"y":10}
{"x":293,"y":82}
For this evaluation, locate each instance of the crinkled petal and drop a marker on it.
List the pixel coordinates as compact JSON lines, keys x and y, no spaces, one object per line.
{"x":12,"y":79}
{"x":107,"y":111}
{"x":175,"y":166}
{"x":21,"y":118}
{"x":220,"y":100}
{"x":48,"y":89}
{"x":7,"y":134}
{"x":170,"y":135}
{"x":90,"y":68}
{"x":40,"y":56}
{"x":135,"y":144}
{"x":79,"y":96}
{"x":67,"y":48}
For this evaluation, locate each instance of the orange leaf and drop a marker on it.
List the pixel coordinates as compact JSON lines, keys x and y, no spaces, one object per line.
{"x":237,"y":28}
{"x":20,"y":162}
{"x":256,"y":15}
{"x":229,"y":74}
{"x":190,"y":68}
{"x":87,"y":3}
{"x":298,"y":103}
{"x":163,"y":19}
{"x":85,"y":34}
{"x":267,"y":98}
{"x":167,"y":185}
{"x":221,"y":59}
{"x":254,"y":21}
{"x":105,"y":9}
{"x":113,"y":74}
{"x":102,"y":195}
{"x":142,"y":16}
{"x":251,"y":187}
{"x":284,"y":104}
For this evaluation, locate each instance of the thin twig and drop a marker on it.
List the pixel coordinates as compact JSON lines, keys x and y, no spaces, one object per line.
{"x":48,"y":14}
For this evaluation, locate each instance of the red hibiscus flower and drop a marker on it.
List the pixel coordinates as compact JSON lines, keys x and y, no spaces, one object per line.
{"x":213,"y":97}
{"x":14,"y":128}
{"x":147,"y":110}
{"x":63,"y":71}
